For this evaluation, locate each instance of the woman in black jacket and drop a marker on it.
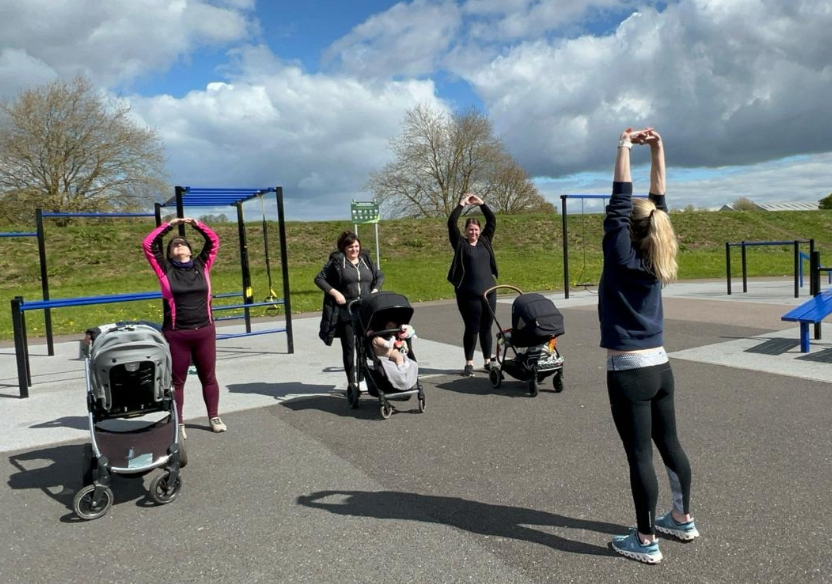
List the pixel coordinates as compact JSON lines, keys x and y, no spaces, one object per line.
{"x":473,"y":271}
{"x":348,"y":275}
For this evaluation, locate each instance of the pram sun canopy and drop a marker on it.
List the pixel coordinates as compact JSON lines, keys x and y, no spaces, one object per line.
{"x":376,"y":310}
{"x":534,"y":320}
{"x":125,"y":344}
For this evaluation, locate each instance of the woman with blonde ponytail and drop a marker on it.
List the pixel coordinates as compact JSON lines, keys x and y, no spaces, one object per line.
{"x":639,"y":259}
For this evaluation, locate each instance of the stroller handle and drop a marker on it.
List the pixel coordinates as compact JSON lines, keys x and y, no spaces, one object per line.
{"x":498,"y":286}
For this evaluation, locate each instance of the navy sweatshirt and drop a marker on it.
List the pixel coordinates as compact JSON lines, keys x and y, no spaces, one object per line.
{"x":629,"y":295}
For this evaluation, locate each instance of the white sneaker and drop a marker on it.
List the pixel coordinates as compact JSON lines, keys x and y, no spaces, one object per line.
{"x":217,"y":425}
{"x":182,"y":431}
{"x":362,"y":386}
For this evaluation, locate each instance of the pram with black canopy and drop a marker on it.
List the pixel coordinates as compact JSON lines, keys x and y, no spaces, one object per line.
{"x":536,"y":324}
{"x":370,"y":317}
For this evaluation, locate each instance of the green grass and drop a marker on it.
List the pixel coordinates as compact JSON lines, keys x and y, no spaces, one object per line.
{"x":92,"y":259}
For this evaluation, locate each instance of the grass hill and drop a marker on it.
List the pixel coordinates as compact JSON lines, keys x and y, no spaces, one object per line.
{"x":96,"y":257}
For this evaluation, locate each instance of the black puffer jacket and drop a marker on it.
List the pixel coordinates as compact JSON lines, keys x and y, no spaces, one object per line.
{"x":333,"y":275}
{"x":456,"y":273}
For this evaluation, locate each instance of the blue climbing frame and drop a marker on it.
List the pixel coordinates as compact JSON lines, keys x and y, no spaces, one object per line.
{"x":217,"y":197}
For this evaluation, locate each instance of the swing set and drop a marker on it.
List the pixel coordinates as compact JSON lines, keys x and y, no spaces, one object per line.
{"x":563,"y":204}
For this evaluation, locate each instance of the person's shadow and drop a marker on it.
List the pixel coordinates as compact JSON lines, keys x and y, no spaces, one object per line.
{"x":473,"y":516}
{"x":56,"y":471}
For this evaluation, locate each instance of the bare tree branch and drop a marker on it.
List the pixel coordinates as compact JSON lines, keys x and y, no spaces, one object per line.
{"x":64,"y":147}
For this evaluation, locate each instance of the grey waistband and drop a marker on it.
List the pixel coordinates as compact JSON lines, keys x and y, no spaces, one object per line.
{"x":636,"y":360}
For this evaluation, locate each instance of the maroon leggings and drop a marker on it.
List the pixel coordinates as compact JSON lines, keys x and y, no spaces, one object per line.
{"x":201,"y":346}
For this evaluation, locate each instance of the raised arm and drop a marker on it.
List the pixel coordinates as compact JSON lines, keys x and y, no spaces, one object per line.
{"x":212,"y":243}
{"x":453,"y":222}
{"x":657,"y":169}
{"x":490,"y":219}
{"x":617,"y":245}
{"x":153,"y":250}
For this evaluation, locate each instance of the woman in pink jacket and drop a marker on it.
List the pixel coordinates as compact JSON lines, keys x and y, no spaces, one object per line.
{"x":188,"y":324}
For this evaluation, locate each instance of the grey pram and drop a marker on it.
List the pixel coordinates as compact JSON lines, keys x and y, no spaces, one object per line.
{"x":134,"y":425}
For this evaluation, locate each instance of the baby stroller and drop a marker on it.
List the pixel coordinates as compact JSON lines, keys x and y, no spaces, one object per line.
{"x":535,"y":326}
{"x":370,"y":316}
{"x":134,"y":425}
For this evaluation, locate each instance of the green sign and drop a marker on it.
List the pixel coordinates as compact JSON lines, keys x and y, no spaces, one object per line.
{"x":364,"y":212}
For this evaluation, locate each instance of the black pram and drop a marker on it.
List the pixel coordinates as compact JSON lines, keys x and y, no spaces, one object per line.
{"x":134,"y":425}
{"x":536,"y":323}
{"x":370,"y":317}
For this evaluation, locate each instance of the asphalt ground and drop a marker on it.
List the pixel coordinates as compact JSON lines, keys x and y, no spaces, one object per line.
{"x":486,"y":486}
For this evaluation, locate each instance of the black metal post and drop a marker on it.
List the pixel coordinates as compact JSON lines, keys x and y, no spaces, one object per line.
{"x":244,"y":267}
{"x":565,"y":248}
{"x":814,"y":285}
{"x":284,"y":261}
{"x":728,"y":265}
{"x":157,"y":210}
{"x":796,"y":269}
{"x":180,"y":208}
{"x":744,"y":268}
{"x":44,"y":281}
{"x":19,"y":348}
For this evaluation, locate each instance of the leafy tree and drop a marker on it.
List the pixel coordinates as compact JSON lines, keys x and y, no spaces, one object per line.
{"x":744,"y":204}
{"x":65,"y":147}
{"x":212,"y":219}
{"x":826,"y":202}
{"x":439,"y":158}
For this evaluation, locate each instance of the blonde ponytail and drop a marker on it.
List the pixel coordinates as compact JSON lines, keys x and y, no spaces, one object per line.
{"x":652,"y":231}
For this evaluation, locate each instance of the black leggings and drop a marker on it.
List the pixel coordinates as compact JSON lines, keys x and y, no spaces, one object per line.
{"x":642,"y":408}
{"x":347,"y":333}
{"x":477,"y":319}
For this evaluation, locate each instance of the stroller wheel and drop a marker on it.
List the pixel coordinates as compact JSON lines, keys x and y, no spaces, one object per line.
{"x":534,"y":387}
{"x":495,"y":377}
{"x":352,"y":396}
{"x":422,"y":405}
{"x":557,"y":381}
{"x":83,"y":506}
{"x":386,"y":410}
{"x":163,"y":490}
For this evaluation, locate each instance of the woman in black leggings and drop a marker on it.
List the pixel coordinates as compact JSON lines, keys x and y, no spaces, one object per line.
{"x":472,"y":272}
{"x":639,"y":259}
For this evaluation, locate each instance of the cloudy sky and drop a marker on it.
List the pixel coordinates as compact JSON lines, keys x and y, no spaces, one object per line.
{"x":306,"y":94}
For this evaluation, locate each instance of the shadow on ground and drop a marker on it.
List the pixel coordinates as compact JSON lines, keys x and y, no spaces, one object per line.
{"x":56,"y":472}
{"x":472,"y":516}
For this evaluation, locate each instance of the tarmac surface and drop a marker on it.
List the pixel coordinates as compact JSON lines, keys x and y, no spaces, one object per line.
{"x":487,"y":486}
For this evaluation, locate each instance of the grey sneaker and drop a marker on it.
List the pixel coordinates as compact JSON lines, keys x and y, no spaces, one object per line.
{"x":468,"y":371}
{"x":630,"y":546}
{"x":217,"y":425}
{"x":684,"y":531}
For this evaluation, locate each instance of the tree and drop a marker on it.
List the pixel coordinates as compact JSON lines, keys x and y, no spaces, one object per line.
{"x":65,"y":147}
{"x":744,"y":204}
{"x":826,"y":202}
{"x":439,"y":158}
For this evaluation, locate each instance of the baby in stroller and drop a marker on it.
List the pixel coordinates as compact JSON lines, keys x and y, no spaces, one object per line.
{"x":384,"y":351}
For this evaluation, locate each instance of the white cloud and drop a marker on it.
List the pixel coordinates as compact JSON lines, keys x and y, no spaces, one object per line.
{"x":111,"y":42}
{"x":407,"y":39}
{"x":317,"y":136}
{"x":727,"y":83}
